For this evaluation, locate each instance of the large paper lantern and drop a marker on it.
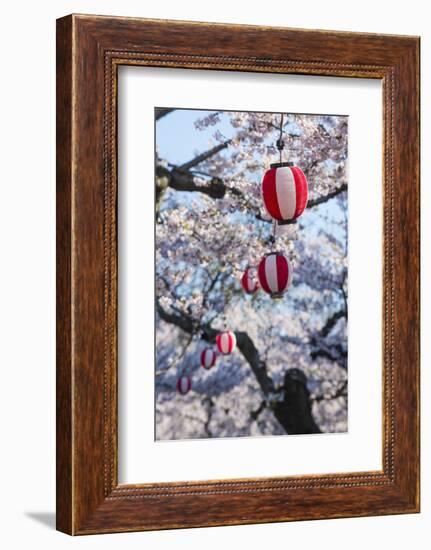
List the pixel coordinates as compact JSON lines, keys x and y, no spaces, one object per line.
{"x":226,"y":342}
{"x":208,"y":358}
{"x":184,"y":384}
{"x":249,"y":281}
{"x":275,"y":274}
{"x":284,"y":191}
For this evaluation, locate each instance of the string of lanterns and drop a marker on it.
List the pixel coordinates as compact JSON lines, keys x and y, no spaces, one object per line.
{"x":284,"y":193}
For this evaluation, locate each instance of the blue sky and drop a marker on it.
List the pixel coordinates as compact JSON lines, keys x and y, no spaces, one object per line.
{"x":177,"y":137}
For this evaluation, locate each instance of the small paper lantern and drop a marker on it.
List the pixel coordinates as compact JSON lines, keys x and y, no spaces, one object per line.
{"x":208,"y":358}
{"x":275,"y":274}
{"x":284,"y":192}
{"x":226,"y":342}
{"x":184,"y":384}
{"x":249,"y":281}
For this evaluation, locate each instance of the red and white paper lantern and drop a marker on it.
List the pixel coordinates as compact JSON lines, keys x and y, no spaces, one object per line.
{"x":275,"y":274}
{"x":249,"y":281}
{"x":284,"y":192}
{"x":226,"y":342}
{"x":208,"y":358}
{"x":184,"y":384}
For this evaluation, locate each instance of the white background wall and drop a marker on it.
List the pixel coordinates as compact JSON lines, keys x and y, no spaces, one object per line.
{"x":27,"y":262}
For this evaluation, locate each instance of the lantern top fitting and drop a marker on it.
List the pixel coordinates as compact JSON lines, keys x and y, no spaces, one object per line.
{"x":281,"y":164}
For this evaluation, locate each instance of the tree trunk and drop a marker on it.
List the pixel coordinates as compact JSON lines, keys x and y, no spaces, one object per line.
{"x":294,"y":412}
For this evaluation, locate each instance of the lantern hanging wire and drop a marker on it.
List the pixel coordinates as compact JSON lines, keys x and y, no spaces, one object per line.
{"x":280,"y":146}
{"x":280,"y":143}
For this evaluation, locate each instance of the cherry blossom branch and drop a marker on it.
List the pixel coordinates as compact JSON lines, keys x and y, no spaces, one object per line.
{"x":206,"y":293}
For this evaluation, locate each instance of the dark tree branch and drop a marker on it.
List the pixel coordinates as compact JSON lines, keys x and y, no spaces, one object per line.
{"x":341,"y":392}
{"x":181,"y":177}
{"x":255,"y":414}
{"x":206,"y":293}
{"x":344,"y":293}
{"x":203,"y":156}
{"x":334,"y":352}
{"x":161,"y":112}
{"x":331,"y":322}
{"x":181,"y":320}
{"x":251,"y":355}
{"x":182,"y":180}
{"x":325,"y":198}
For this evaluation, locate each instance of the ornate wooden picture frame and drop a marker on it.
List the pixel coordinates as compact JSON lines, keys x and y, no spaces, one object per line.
{"x":89,"y":51}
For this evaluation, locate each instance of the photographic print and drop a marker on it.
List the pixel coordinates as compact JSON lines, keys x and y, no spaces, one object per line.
{"x":251,"y":273}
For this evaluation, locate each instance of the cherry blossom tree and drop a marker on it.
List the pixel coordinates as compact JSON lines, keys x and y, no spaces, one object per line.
{"x":288,"y":374}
